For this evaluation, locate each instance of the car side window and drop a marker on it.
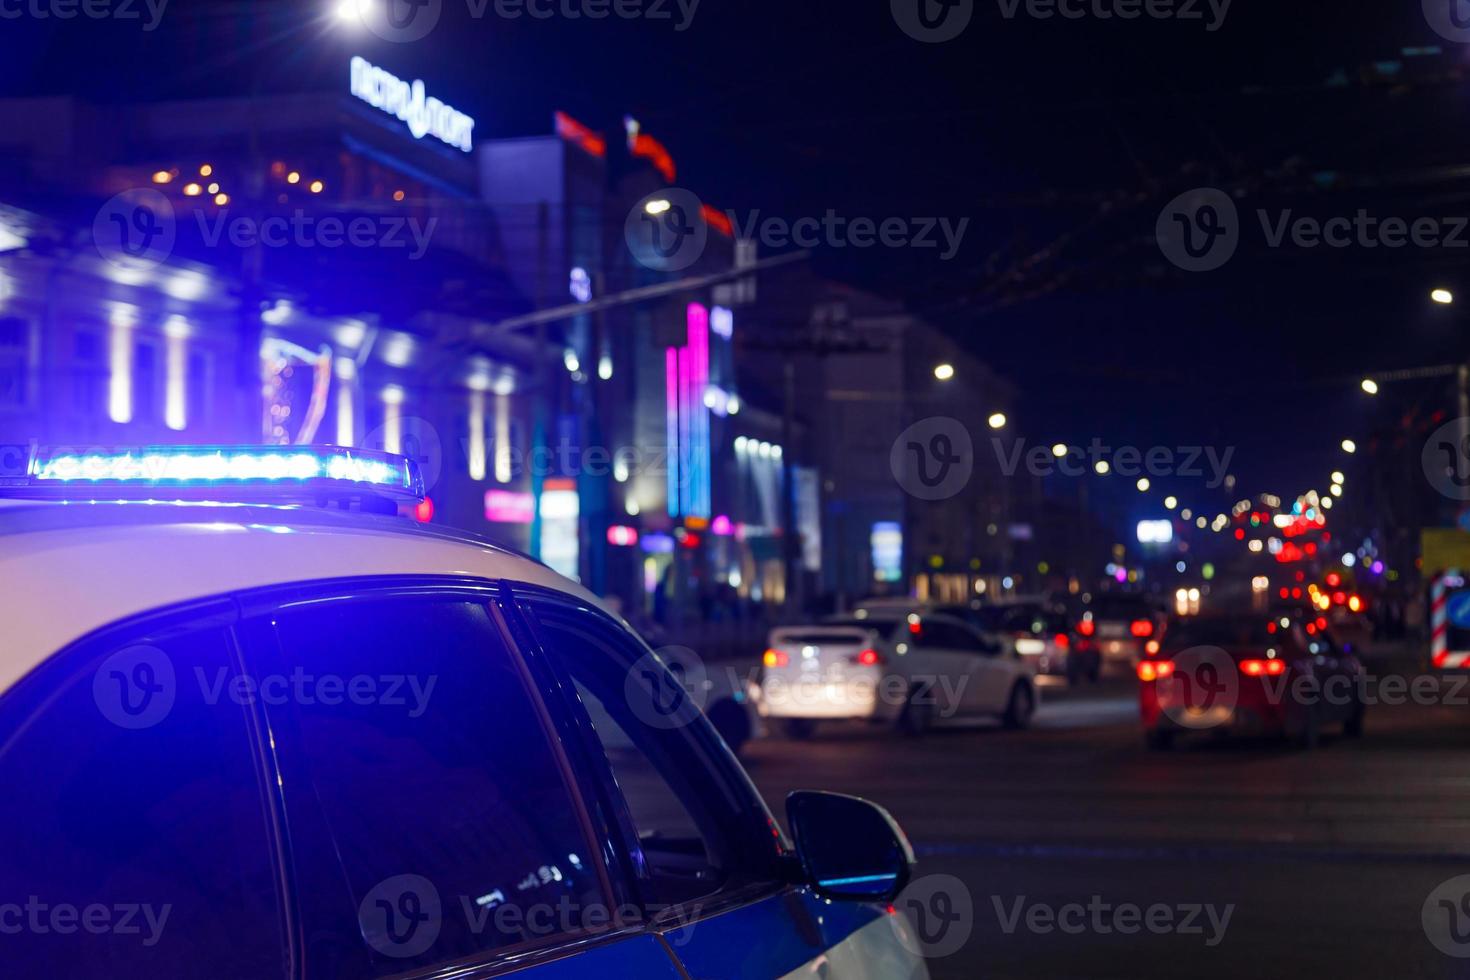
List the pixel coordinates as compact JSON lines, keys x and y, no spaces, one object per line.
{"x":431,"y":817}
{"x":137,"y":839}
{"x":694,"y":830}
{"x":943,"y":634}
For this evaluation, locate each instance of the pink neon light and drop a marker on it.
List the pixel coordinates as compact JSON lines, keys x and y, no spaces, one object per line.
{"x":671,"y":423}
{"x":505,"y":507}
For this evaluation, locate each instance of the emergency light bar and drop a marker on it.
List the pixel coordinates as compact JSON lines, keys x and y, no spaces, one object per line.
{"x":259,"y":471}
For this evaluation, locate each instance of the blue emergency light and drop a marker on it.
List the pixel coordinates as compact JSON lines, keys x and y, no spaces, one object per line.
{"x":256,"y":472}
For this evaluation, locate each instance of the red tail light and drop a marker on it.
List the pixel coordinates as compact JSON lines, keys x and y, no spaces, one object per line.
{"x":1263,"y":668}
{"x":1152,"y":670}
{"x":775,"y":658}
{"x":868,"y":658}
{"x":1141,"y":628}
{"x":1063,"y":641}
{"x":1087,"y":627}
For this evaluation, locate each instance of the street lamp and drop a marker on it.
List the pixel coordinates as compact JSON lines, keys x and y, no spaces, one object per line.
{"x":351,"y":11}
{"x":1171,"y":502}
{"x":1059,"y":450}
{"x":1143,"y":484}
{"x":944,"y":372}
{"x":1370,"y":386}
{"x":997,"y":421}
{"x":1442,"y":296}
{"x":1349,"y":447}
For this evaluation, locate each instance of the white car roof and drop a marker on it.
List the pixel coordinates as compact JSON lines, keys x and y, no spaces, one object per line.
{"x":67,"y":569}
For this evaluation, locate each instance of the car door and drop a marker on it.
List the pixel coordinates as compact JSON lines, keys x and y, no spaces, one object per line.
{"x":711,"y":868}
{"x":973,"y":673}
{"x":433,"y":826}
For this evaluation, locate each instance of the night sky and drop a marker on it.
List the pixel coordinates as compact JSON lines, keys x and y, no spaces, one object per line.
{"x":1061,"y":141}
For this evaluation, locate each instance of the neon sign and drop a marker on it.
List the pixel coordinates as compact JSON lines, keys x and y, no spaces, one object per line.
{"x":424,"y":115}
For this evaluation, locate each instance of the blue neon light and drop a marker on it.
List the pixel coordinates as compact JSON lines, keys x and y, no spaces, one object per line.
{"x":226,"y":467}
{"x":859,"y":880}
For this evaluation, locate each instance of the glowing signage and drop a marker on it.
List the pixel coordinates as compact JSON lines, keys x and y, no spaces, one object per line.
{"x":1155,"y":532}
{"x":886,"y":541}
{"x":507,"y":507}
{"x":560,"y":521}
{"x":425,"y":115}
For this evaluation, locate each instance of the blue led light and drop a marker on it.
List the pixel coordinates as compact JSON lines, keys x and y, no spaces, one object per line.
{"x":209,"y":467}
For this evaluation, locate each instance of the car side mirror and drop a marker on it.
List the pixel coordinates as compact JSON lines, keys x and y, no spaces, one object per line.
{"x":850,"y":849}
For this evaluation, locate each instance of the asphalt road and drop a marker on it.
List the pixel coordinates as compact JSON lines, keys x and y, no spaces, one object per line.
{"x":1081,"y":853}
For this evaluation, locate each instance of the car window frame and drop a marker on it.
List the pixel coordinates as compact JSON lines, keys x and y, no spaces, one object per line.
{"x":41,"y":687}
{"x":255,"y":606}
{"x":761,"y":824}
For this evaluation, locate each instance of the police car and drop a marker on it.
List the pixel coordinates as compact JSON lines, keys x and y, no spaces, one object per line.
{"x":253,"y":724}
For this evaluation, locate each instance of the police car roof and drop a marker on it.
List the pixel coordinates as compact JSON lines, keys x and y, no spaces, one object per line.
{"x":69,"y":568}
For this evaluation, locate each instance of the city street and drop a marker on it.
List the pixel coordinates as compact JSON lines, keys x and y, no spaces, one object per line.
{"x":1327,"y":856}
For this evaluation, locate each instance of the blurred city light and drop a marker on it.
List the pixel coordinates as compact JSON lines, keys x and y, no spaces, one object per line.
{"x":997,"y":421}
{"x":1370,"y":386}
{"x":944,"y":372}
{"x":1442,"y":296}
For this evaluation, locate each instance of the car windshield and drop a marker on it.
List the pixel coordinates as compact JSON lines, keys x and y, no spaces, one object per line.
{"x":1121,"y":607}
{"x":1227,"y":632}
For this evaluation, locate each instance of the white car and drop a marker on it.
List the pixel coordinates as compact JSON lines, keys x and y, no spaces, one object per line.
{"x":901,"y":666}
{"x":249,"y":729}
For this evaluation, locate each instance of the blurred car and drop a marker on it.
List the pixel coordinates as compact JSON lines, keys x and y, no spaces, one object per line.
{"x":320,"y":739}
{"x":1248,"y":673}
{"x":909,"y":669}
{"x":1118,"y":627}
{"x":1036,"y":630}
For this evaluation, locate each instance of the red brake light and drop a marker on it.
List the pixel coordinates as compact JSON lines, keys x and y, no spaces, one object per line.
{"x":868,"y":658}
{"x":1263,"y":668}
{"x":775,"y":658}
{"x":1152,"y":670}
{"x":1086,"y":627}
{"x":1063,"y":640}
{"x":1142,"y":627}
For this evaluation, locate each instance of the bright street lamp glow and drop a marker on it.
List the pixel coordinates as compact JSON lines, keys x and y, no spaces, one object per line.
{"x":1171,"y":502}
{"x":657,"y":207}
{"x":1102,"y":467}
{"x":944,"y":372}
{"x":1143,"y":484}
{"x":1059,"y":450}
{"x":1442,"y":296}
{"x":1337,"y":477}
{"x":997,"y":421}
{"x":1348,"y":446}
{"x":351,"y":10}
{"x":1370,"y":386}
